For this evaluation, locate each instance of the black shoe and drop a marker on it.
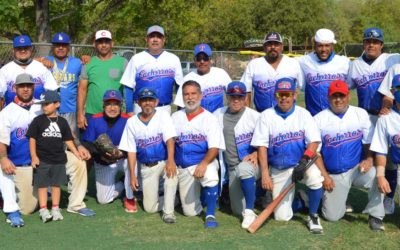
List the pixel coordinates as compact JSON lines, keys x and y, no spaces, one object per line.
{"x":375,"y":224}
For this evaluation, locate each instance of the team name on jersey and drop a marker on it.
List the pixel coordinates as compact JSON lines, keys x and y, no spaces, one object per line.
{"x":190,"y":138}
{"x":213,"y":91}
{"x":365,"y":80}
{"x":284,"y":138}
{"x":20,"y":133}
{"x":316,"y":79}
{"x":155,"y":74}
{"x":265,"y":85}
{"x":243,"y":138}
{"x":150,"y":141}
{"x":396,"y":140}
{"x":64,"y":78}
{"x":342,"y":138}
{"x":37,"y":81}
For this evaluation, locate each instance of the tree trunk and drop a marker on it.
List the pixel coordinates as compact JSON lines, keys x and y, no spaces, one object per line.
{"x":42,"y":21}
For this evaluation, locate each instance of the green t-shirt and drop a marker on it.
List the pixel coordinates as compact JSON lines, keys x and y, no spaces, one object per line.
{"x":102,"y":76}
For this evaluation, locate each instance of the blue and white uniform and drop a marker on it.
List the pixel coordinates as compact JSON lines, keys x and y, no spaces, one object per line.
{"x":386,"y":84}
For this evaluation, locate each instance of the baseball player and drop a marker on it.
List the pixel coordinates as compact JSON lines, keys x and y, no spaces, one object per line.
{"x":16,"y":171}
{"x":197,"y":144}
{"x":346,"y":160}
{"x":23,"y":63}
{"x":111,"y":122}
{"x":320,"y":69}
{"x":153,"y":68}
{"x":149,"y":138}
{"x":386,"y":139}
{"x":238,"y":123}
{"x":366,"y":74}
{"x":287,"y":139}
{"x":261,"y":73}
{"x":213,"y":80}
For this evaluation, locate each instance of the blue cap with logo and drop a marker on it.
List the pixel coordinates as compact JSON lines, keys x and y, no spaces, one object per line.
{"x":236,"y":88}
{"x":22,"y":41}
{"x":49,"y":96}
{"x":285,"y":85}
{"x":202,"y":48}
{"x":112,"y":94}
{"x":147,"y":92}
{"x":373,"y":33}
{"x":61,"y":37}
{"x":155,"y":28}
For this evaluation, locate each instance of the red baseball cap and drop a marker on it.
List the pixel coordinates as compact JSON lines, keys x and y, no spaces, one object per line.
{"x":338,"y":86}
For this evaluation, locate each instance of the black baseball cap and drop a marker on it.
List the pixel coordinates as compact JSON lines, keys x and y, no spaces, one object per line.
{"x":49,"y":96}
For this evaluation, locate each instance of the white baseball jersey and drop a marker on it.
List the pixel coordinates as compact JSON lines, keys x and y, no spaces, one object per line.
{"x":3,"y":85}
{"x":213,"y":85}
{"x":260,"y":78}
{"x":148,"y":140}
{"x":160,"y":73}
{"x":343,"y":138}
{"x":386,"y":84}
{"x":286,"y":139}
{"x":387,"y":133}
{"x":367,"y":79}
{"x":42,"y":78}
{"x":195,"y":137}
{"x":318,"y":76}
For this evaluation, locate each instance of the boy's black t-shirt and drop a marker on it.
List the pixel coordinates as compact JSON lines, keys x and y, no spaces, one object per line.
{"x":50,"y":138}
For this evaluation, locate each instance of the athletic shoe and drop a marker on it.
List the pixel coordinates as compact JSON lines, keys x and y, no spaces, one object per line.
{"x":349,"y":208}
{"x":314,"y":224}
{"x":169,"y":218}
{"x":45,"y":215}
{"x":56,"y":213}
{"x":130,"y":205}
{"x":388,"y":203}
{"x":86,"y":212}
{"x":248,"y":217}
{"x":211,"y":222}
{"x":375,"y":224}
{"x":15,"y":219}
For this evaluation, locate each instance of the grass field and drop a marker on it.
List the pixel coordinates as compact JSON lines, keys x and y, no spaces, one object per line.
{"x":112,"y":228}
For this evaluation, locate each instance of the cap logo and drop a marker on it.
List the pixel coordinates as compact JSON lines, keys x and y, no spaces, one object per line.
{"x":202,"y":47}
{"x":103,"y":33}
{"x":373,"y":33}
{"x":60,"y":37}
{"x":21,"y":40}
{"x":112,"y":94}
{"x":284,"y":85}
{"x":42,"y":97}
{"x":273,"y":36}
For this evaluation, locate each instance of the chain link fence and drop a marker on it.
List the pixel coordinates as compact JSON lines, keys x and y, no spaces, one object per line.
{"x":231,"y":61}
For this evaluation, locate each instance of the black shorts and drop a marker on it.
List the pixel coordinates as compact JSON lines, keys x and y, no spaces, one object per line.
{"x":49,"y":175}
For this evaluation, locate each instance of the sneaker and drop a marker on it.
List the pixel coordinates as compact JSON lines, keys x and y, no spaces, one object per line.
{"x":211,"y":222}
{"x":169,"y":218}
{"x":388,"y":203}
{"x":248,"y":217}
{"x":349,"y":208}
{"x":314,"y":224}
{"x":56,"y":213}
{"x":45,"y":215}
{"x":86,"y":212}
{"x":15,"y":219}
{"x":130,"y":205}
{"x":375,"y":224}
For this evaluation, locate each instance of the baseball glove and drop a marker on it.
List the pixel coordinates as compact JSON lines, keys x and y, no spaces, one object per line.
{"x":108,"y":152}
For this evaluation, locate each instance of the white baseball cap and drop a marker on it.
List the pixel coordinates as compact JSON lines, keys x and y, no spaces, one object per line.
{"x":325,"y":36}
{"x":103,"y":34}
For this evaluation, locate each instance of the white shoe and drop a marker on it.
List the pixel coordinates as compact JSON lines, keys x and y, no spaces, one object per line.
{"x":56,"y":213}
{"x":314,"y":224}
{"x":349,"y":208}
{"x":248,"y":217}
{"x":388,"y":203}
{"x":45,"y":215}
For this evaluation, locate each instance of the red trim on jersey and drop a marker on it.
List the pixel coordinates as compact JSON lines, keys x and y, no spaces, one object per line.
{"x":98,"y":115}
{"x":124,"y":115}
{"x":191,"y":116}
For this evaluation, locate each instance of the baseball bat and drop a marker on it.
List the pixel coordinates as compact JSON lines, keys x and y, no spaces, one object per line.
{"x":257,"y":223}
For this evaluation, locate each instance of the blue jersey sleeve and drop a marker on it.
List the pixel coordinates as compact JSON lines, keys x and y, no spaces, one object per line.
{"x":90,"y":132}
{"x":128,"y":92}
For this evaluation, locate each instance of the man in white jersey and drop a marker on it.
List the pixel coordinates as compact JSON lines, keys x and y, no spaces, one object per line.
{"x":23,"y":63}
{"x":320,"y":68}
{"x":153,"y":68}
{"x":261,"y":73}
{"x":213,"y":80}
{"x":197,"y":144}
{"x":346,"y":160}
{"x":287,"y":139}
{"x":149,"y":138}
{"x":366,"y":74}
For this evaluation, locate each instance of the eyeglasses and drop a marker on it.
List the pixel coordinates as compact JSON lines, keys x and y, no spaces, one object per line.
{"x":108,"y":104}
{"x":280,"y":95}
{"x":204,"y":58}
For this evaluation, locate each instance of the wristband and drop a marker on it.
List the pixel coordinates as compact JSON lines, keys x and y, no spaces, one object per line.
{"x":380,"y":171}
{"x":309,"y":153}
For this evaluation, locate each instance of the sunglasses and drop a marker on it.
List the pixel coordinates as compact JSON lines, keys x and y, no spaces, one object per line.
{"x":280,"y":95}
{"x":204,"y":58}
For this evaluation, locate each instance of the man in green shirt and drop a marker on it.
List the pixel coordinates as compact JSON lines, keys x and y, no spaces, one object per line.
{"x":102,"y":73}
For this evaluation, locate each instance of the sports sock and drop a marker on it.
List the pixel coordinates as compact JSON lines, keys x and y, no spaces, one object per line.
{"x":391,"y":177}
{"x":249,"y":191}
{"x":210,"y":196}
{"x":314,"y":197}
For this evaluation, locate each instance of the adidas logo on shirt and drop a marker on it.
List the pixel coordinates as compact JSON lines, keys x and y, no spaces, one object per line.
{"x":52,"y":131}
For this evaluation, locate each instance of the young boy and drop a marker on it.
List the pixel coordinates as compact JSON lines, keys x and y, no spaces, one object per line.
{"x":47,"y":134}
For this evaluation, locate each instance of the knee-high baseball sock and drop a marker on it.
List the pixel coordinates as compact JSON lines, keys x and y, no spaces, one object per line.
{"x":314,"y":197}
{"x":391,"y":177}
{"x":210,"y":195}
{"x":249,"y":191}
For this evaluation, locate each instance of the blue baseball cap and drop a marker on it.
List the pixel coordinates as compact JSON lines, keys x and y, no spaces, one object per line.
{"x":236,"y":89}
{"x":22,"y":41}
{"x":112,"y":95}
{"x":49,"y":96}
{"x":61,"y":37}
{"x":155,"y":28}
{"x":202,"y":48}
{"x":396,"y":81}
{"x":285,"y":85}
{"x":147,"y":92}
{"x":373,"y":33}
